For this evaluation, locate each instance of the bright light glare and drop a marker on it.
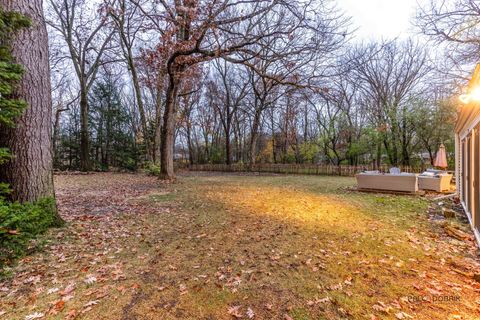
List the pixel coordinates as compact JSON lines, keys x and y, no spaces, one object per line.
{"x":464,"y":98}
{"x":473,"y":96}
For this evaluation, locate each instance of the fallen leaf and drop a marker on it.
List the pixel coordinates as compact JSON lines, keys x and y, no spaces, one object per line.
{"x":343,"y":311}
{"x":86,"y":310}
{"x":91,"y":303}
{"x":36,"y":315}
{"x":90,"y":280}
{"x":250,"y":313}
{"x":59,"y":305}
{"x":234,"y":311}
{"x":52,"y":290}
{"x":335,"y":287}
{"x":72,"y":314}
{"x":135,"y":286}
{"x":324,"y":300}
{"x":183,"y":289}
{"x":380,"y":306}
{"x":434,"y":292}
{"x":68,"y":289}
{"x":403,"y":315}
{"x":67,"y":298}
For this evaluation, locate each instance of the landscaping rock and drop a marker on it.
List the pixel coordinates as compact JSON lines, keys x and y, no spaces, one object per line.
{"x":448,"y":213}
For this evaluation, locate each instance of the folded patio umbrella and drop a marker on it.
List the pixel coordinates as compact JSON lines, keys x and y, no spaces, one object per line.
{"x":441,"y":159}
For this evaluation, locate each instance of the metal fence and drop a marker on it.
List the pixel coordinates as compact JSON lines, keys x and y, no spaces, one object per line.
{"x":313,"y":169}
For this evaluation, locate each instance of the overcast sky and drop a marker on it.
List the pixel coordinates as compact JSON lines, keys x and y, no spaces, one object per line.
{"x":380,"y":18}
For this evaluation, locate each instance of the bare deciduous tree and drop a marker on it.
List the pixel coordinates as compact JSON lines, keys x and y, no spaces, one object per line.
{"x":390,"y":73}
{"x":87,"y":38}
{"x":454,"y":24}
{"x":128,"y":23}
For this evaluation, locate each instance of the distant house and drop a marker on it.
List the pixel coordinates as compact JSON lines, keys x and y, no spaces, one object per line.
{"x":467,"y":152}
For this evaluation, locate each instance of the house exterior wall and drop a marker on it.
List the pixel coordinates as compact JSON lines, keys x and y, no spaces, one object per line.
{"x":458,"y":168}
{"x":467,"y":149}
{"x":466,"y":155}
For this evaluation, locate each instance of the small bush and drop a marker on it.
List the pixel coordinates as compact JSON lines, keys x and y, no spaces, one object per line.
{"x":20,"y":223}
{"x":4,"y":189}
{"x":152,"y":169}
{"x":129,"y":164}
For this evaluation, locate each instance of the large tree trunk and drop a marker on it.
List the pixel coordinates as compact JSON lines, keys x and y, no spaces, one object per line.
{"x":189,"y":142}
{"x":405,"y":140}
{"x":207,"y":148}
{"x":157,"y":141}
{"x":379,"y":155}
{"x":274,"y":151}
{"x":85,"y":163}
{"x":56,"y":131}
{"x":254,"y":138}
{"x":138,"y":95}
{"x":158,"y":121}
{"x":30,"y":172}
{"x":431,"y":156}
{"x":168,"y":131}
{"x":236,"y":138}
{"x":228,"y":149}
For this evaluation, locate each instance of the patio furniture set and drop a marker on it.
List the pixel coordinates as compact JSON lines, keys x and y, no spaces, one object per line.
{"x":396,"y":181}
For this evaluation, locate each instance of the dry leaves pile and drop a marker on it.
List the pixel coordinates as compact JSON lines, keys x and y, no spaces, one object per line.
{"x":86,"y":263}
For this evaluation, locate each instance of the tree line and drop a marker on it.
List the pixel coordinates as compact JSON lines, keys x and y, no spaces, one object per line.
{"x":140,"y":83}
{"x":132,"y":83}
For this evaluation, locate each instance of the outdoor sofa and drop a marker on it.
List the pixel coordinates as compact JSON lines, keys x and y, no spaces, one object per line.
{"x":403,"y":182}
{"x":435,"y":181}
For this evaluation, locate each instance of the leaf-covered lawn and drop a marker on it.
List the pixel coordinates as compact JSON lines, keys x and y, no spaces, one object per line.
{"x":241,"y":246}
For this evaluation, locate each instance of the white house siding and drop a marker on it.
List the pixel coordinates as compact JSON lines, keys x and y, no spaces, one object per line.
{"x":470,"y":121}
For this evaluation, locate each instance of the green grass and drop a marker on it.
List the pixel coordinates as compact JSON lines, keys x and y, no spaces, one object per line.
{"x":162,"y":197}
